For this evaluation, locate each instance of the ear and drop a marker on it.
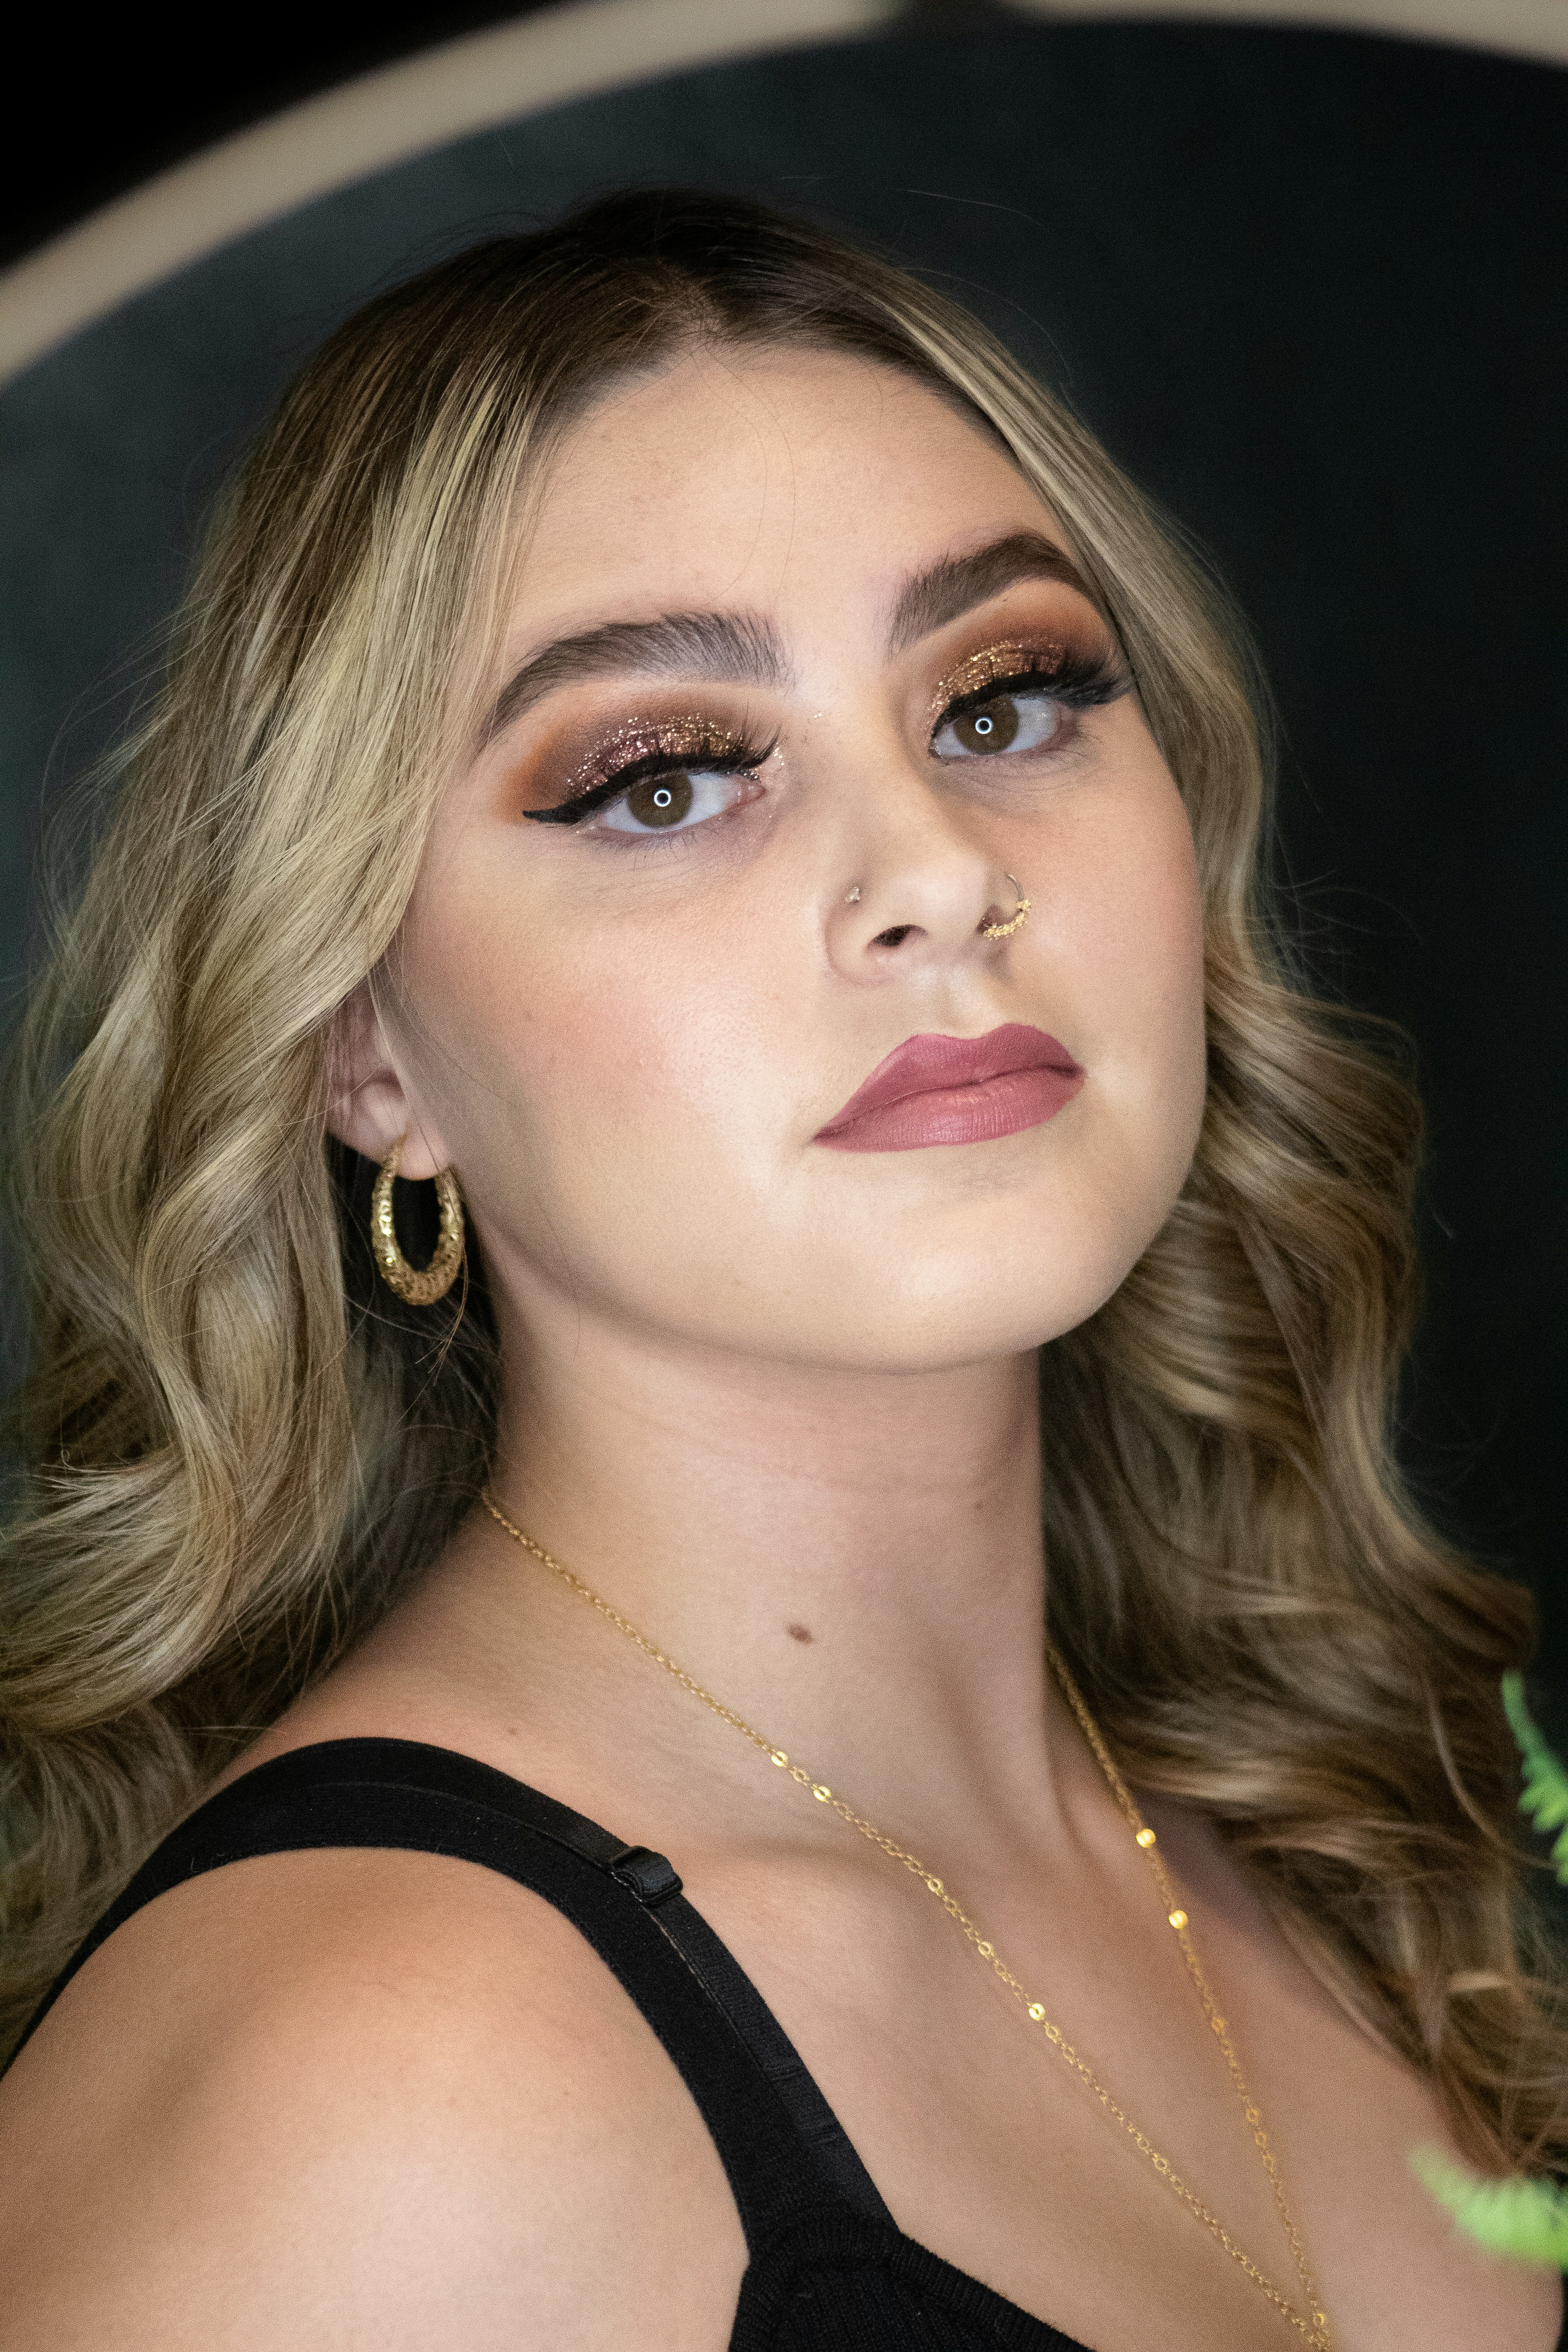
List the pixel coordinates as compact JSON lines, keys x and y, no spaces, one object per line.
{"x":371,"y":1107}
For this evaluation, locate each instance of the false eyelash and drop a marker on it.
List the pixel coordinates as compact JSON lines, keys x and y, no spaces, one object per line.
{"x":1081,"y":678}
{"x":721,"y":757}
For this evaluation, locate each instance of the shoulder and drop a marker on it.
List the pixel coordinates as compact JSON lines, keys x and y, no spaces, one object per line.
{"x":322,"y":2098}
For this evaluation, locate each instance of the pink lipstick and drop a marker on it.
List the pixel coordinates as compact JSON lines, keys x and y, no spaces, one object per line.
{"x":957,"y":1090}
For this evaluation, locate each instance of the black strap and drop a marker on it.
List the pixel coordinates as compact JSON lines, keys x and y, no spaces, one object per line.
{"x":781,"y":2145}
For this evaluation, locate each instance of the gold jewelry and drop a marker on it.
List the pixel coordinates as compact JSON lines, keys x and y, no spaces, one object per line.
{"x":1015,"y":922}
{"x":1314,"y":2324}
{"x":422,"y":1287}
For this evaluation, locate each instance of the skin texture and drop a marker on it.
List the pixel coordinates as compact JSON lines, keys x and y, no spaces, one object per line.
{"x":778,"y":1403}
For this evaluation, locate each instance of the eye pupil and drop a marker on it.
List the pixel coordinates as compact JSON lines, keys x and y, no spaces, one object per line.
{"x":660,"y":800}
{"x":991,"y":727}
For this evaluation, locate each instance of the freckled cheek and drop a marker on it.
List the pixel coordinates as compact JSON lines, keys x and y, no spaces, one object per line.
{"x":1133,"y":925}
{"x":598,"y":1031}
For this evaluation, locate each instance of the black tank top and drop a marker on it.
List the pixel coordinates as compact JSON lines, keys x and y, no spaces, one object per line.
{"x":828,"y":2269}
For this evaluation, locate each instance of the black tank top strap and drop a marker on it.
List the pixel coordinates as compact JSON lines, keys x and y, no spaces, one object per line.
{"x":829,"y":2268}
{"x":781,"y":2145}
{"x":728,"y":1986}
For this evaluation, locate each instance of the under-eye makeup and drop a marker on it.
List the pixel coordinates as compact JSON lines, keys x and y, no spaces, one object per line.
{"x":650,"y":764}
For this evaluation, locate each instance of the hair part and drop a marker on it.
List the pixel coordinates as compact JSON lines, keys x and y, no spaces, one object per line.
{"x":241,"y":1449}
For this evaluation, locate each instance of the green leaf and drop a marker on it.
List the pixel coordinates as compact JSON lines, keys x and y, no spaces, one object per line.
{"x":1545,"y":1797}
{"x":1527,"y":2219}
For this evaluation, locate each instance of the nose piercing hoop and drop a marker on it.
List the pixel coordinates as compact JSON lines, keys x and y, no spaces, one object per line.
{"x":1015,"y":922}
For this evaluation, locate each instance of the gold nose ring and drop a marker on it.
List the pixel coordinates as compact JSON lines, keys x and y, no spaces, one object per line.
{"x":1015,"y":922}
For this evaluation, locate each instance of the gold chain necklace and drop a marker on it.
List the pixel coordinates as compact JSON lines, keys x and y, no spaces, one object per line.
{"x":1314,"y":2324}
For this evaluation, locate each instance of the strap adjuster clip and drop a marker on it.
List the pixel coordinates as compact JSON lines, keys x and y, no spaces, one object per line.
{"x":651,"y":1878}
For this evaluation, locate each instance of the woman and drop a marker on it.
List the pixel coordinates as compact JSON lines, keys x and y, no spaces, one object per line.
{"x":676,"y":738}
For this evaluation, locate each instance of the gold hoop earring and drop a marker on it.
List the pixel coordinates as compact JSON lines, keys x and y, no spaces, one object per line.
{"x":421,"y":1287}
{"x":1015,"y":922}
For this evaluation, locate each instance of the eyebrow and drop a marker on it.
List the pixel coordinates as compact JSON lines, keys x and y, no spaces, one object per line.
{"x":742,"y":648}
{"x":737,"y":648}
{"x":946,"y":589}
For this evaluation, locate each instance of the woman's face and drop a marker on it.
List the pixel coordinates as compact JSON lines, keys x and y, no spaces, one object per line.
{"x":798,"y":675}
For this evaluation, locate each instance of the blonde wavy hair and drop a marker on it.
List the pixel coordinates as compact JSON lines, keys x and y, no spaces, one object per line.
{"x":240,"y":1450}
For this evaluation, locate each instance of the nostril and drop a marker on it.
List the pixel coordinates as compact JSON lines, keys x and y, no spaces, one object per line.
{"x":895,"y":938}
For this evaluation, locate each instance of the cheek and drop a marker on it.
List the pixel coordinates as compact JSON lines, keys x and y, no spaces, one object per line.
{"x":1132,"y":936}
{"x":1155,"y":932}
{"x":566,"y":1055}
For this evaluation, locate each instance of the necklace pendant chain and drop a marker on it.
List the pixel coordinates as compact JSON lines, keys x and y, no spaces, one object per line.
{"x":1311,"y":2324}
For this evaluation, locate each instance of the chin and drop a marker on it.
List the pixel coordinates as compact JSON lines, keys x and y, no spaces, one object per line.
{"x":946,"y":1316}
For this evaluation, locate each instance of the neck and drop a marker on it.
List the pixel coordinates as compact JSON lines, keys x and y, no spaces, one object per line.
{"x":853,"y":1562}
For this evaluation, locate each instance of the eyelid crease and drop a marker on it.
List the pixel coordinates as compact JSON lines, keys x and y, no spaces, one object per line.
{"x":1074,"y":675}
{"x":652,"y":751}
{"x":989,"y":667}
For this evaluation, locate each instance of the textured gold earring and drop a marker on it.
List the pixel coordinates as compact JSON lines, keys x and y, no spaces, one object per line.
{"x":421,"y":1287}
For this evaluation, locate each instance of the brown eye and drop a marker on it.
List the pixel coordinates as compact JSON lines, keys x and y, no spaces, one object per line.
{"x":677,"y":800}
{"x":991,"y":727}
{"x":660,"y":800}
{"x":1022,"y":720}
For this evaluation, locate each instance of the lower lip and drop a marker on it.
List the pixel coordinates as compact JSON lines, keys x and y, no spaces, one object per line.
{"x":975,"y":1114}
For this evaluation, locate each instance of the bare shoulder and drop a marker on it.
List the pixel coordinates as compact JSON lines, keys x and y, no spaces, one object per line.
{"x":345,"y":2098}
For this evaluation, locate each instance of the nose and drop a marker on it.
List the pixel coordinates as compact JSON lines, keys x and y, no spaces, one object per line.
{"x":917,"y":887}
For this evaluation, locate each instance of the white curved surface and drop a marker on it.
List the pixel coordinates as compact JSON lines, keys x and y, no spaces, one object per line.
{"x":380,"y":118}
{"x":568,"y":52}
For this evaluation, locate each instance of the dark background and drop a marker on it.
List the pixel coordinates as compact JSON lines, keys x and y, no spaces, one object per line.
{"x":1309,"y":290}
{"x":135,"y":92}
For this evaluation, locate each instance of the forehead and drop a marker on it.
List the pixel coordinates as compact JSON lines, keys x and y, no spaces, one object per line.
{"x":766,"y":480}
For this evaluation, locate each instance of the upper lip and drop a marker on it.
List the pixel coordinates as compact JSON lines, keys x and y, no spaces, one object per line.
{"x":922,"y":1065}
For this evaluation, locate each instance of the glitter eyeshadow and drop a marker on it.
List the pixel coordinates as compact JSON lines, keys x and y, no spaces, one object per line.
{"x":983,"y":669}
{"x":663,"y":739}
